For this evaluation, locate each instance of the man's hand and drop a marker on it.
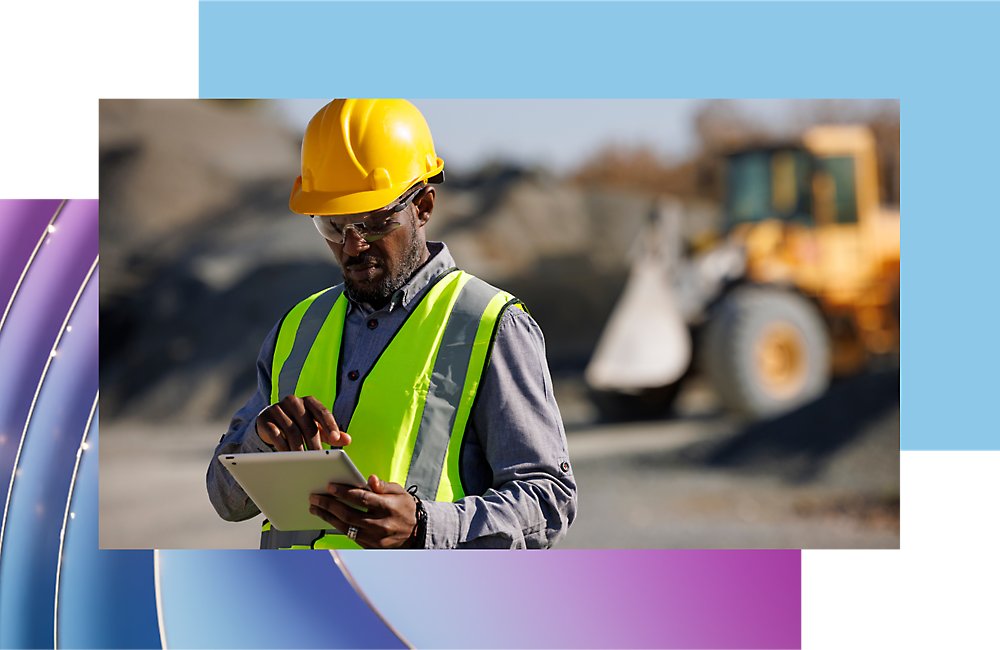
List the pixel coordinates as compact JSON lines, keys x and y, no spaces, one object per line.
{"x":389,"y":522}
{"x":297,"y":424}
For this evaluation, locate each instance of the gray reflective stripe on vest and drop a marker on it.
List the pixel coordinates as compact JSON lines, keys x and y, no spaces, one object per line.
{"x":445,"y":390}
{"x":275,"y":538}
{"x":305,"y":335}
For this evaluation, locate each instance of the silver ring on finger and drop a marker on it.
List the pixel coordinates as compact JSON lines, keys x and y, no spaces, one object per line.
{"x":352,"y":532}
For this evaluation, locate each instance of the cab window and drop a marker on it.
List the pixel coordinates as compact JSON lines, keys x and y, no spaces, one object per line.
{"x":840,"y":171}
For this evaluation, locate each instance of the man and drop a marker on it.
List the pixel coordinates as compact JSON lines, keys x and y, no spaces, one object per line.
{"x":440,"y":378}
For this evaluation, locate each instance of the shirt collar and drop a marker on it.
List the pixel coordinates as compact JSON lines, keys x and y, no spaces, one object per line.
{"x":439,"y":262}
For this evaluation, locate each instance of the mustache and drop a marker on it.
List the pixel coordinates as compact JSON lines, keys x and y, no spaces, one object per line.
{"x":367,"y":257}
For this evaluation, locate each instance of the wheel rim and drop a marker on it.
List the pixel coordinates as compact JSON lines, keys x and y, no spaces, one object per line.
{"x":781,"y":360}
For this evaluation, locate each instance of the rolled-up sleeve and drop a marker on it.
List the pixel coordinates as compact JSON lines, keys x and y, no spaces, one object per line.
{"x":515,"y":455}
{"x":226,"y":495}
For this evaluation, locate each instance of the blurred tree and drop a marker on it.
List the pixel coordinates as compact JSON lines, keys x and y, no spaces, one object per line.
{"x":886,"y":128}
{"x":635,"y":168}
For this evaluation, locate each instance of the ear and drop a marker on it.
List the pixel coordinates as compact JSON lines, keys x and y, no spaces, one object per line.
{"x":425,"y":206}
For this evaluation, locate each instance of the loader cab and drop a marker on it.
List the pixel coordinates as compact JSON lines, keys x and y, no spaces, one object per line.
{"x":826,"y":183}
{"x":769,"y":183}
{"x":805,"y":212}
{"x":834,"y":190}
{"x":845,"y":182}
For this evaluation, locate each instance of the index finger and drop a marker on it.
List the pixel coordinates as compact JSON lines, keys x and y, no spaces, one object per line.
{"x":324,"y":418}
{"x":297,"y":411}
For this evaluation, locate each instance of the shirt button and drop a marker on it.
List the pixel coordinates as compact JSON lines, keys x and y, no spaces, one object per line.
{"x":372,"y":324}
{"x":352,"y":375}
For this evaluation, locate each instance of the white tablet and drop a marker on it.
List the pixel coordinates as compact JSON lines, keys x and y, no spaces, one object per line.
{"x":280,"y":482}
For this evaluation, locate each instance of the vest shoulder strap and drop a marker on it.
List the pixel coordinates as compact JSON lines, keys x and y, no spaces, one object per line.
{"x":455,"y":377}
{"x":296,"y":336}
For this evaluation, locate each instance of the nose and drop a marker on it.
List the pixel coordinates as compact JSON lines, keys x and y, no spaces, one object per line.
{"x":353,"y":242}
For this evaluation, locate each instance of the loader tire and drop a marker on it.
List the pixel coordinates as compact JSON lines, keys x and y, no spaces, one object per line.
{"x":766,"y":351}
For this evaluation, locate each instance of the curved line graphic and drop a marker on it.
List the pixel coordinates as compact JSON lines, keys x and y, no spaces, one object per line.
{"x":159,"y":601}
{"x":27,"y":265}
{"x":361,"y":593}
{"x":38,"y":390}
{"x":62,"y":534}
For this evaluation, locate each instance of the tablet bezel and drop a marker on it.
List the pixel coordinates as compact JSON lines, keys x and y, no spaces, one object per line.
{"x":280,"y":482}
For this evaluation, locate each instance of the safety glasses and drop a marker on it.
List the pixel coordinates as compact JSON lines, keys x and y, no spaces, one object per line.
{"x":370,"y":226}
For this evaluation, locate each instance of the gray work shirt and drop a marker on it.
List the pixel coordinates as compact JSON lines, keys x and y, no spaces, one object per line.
{"x":514,"y":464}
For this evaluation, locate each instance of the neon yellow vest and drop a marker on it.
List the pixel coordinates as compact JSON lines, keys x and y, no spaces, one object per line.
{"x":414,"y":404}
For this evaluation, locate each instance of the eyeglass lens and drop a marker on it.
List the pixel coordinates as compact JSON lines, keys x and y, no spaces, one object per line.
{"x":370,"y":228}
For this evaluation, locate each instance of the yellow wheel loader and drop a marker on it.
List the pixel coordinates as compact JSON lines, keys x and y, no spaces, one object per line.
{"x":801,"y":283}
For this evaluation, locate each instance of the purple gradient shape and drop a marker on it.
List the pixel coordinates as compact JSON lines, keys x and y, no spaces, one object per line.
{"x":22,"y":223}
{"x":29,"y":556}
{"x":589,"y":599}
{"x":37,"y":313}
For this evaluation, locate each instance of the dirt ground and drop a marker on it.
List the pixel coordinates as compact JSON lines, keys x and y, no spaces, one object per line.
{"x":657,"y":499}
{"x":826,"y":476}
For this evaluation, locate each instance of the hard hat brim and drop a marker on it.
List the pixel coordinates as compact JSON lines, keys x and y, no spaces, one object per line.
{"x":333,"y":203}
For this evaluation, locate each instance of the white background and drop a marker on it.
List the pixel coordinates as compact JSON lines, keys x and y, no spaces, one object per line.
{"x":938,"y":591}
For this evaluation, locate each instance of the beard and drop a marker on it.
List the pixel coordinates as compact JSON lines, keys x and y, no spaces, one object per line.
{"x":393,"y":277}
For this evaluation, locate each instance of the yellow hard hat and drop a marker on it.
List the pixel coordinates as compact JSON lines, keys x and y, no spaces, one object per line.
{"x":360,"y":155}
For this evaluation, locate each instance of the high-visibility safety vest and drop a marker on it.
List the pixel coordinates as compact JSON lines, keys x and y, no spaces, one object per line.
{"x":413,"y":405}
